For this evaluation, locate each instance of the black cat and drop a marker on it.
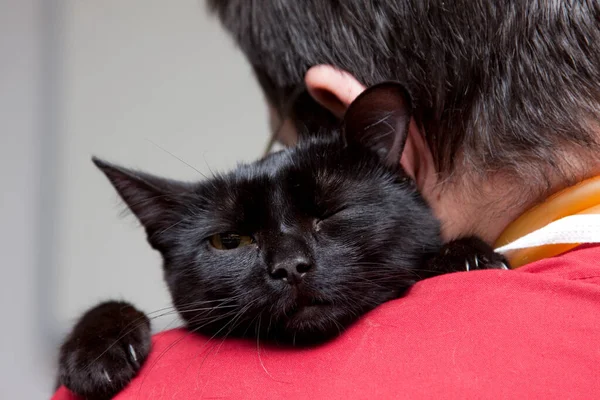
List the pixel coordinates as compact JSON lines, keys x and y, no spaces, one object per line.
{"x":292,"y":248}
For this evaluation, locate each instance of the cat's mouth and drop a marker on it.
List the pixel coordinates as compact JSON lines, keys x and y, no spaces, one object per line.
{"x":312,"y":321}
{"x":304,"y":302}
{"x":307,"y":307}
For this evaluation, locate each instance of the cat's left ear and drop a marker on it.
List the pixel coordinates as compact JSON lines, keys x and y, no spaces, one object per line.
{"x":379,"y":119}
{"x":157,"y":203}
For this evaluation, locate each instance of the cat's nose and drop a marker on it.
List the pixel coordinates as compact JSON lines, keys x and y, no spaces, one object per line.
{"x":291,"y":270}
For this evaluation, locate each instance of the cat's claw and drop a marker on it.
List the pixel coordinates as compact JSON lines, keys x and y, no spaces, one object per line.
{"x":105,"y":350}
{"x":468,"y":264}
{"x":132,"y":353}
{"x":467,"y":254}
{"x":107,"y":376}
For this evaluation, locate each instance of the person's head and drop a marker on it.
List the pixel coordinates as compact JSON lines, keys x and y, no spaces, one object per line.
{"x":506,"y":94}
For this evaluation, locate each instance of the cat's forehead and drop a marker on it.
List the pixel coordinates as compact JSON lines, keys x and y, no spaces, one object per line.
{"x":321,"y":166}
{"x":278,"y":175}
{"x":276,"y":166}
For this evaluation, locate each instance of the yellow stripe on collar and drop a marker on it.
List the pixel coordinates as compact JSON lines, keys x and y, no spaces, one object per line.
{"x":583,"y":198}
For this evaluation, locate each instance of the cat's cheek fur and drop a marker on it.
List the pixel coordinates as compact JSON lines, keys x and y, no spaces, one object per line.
{"x":211,"y":287}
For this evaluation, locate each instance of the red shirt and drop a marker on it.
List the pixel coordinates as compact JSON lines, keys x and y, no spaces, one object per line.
{"x":529,"y":333}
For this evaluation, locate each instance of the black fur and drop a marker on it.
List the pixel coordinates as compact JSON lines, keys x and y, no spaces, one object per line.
{"x":338,"y":228}
{"x":105,"y":350}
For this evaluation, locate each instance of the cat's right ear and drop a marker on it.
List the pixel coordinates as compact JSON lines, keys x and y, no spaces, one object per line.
{"x":379,"y":119}
{"x":156,"y":202}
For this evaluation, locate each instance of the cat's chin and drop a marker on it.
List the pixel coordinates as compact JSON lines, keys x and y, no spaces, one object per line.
{"x":314,"y":324}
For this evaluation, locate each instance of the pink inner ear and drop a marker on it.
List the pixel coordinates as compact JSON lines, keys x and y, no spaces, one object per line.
{"x":379,"y":119}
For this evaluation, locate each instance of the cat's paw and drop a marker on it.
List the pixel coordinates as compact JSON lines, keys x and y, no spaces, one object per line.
{"x":468,"y":254}
{"x":105,"y":350}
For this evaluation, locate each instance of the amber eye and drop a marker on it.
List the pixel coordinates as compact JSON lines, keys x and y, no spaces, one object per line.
{"x":230,"y":240}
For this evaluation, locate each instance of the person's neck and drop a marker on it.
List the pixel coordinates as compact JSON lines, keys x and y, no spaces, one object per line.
{"x":484,"y":219}
{"x":485,"y":207}
{"x":488,"y":210}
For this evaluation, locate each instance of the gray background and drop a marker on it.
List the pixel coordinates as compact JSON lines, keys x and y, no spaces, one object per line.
{"x":129,"y":81}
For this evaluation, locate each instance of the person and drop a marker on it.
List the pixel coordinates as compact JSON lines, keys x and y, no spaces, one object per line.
{"x":504,"y":140}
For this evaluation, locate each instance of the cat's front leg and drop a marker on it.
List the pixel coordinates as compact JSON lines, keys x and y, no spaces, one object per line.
{"x":105,"y":350}
{"x":466,"y":254}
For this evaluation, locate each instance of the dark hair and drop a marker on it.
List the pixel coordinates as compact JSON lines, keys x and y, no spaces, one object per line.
{"x":504,"y":84}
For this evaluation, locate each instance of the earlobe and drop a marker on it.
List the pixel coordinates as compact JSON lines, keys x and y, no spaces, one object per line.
{"x":334,"y":89}
{"x":417,"y":160}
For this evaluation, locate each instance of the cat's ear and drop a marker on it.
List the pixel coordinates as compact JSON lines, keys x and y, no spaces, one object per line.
{"x":156,"y":202}
{"x":378,"y":119}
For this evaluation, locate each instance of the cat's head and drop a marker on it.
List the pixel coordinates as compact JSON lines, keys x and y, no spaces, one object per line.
{"x":298,"y":245}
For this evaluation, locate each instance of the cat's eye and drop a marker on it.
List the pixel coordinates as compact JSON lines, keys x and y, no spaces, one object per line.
{"x":230,"y":240}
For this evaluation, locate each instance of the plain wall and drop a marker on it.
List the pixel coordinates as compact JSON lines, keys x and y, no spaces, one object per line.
{"x":22,"y":375}
{"x":143,"y":83}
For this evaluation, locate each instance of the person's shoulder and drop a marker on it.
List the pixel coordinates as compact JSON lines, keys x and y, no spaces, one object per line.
{"x":516,"y":334}
{"x":581,"y":263}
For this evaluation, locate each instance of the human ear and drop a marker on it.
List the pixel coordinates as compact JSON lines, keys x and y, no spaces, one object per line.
{"x":333,"y":88}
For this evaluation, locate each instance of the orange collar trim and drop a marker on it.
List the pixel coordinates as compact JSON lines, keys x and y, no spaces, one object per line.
{"x":582,"y":198}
